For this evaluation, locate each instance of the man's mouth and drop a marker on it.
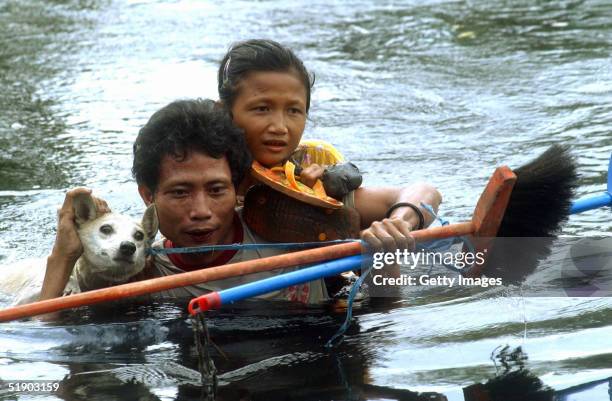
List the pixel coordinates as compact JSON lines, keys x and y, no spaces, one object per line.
{"x":200,"y":235}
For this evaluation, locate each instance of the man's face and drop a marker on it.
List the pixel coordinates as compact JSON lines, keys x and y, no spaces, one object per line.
{"x":195,"y":200}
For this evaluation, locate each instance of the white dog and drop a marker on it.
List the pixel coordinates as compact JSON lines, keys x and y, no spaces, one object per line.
{"x":114,"y":249}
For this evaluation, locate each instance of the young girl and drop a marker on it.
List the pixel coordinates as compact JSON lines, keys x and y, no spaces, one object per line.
{"x":266,"y":89}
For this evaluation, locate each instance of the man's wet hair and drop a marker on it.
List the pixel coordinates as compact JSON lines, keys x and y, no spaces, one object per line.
{"x":258,"y":55}
{"x":186,"y":126}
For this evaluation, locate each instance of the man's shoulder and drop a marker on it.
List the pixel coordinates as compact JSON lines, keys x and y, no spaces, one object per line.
{"x":248,"y":236}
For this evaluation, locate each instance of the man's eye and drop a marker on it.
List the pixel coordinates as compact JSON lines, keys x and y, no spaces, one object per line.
{"x":261,"y":108}
{"x":295,"y":110}
{"x":219,"y":190}
{"x":179,"y":192}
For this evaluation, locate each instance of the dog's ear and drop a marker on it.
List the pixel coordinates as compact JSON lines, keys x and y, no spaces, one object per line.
{"x":150,"y":224}
{"x":84,"y":208}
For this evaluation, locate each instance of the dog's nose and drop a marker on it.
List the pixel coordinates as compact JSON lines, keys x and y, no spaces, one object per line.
{"x":127,"y":248}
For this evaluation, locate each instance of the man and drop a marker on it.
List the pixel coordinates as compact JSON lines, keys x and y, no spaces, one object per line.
{"x":188,"y":160}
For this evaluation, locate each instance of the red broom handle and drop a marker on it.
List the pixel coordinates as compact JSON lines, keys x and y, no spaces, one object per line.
{"x":213,"y":273}
{"x":485,"y":222}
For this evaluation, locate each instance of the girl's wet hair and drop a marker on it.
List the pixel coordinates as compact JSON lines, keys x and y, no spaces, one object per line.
{"x":258,"y":55}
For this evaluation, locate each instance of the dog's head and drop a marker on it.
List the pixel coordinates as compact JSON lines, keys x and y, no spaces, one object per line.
{"x":114,"y":245}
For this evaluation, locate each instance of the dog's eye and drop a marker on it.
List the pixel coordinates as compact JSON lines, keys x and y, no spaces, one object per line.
{"x":106,"y":229}
{"x":138,"y":236}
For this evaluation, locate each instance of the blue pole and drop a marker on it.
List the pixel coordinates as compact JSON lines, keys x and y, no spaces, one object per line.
{"x":326,"y":269}
{"x":274,"y":283}
{"x":594,"y":202}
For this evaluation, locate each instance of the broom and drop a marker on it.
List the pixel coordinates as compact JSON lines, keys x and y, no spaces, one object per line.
{"x":534,"y":215}
{"x":559,"y":177}
{"x":525,"y":212}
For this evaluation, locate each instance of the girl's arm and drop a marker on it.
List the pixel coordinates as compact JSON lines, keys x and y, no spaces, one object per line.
{"x":393,"y":232}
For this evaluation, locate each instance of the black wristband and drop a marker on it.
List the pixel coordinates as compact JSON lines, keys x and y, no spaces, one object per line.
{"x":411,"y":206}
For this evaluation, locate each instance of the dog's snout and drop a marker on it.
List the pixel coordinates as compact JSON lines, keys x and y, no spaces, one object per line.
{"x":127,"y":248}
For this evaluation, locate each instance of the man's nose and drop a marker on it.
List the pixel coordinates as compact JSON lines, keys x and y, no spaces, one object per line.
{"x":200,"y":208}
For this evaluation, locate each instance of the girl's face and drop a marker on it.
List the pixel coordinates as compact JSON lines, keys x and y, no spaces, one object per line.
{"x":271,"y":109}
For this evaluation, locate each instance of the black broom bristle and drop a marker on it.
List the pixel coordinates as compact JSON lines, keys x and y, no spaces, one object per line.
{"x":540,"y":203}
{"x":542,"y":196}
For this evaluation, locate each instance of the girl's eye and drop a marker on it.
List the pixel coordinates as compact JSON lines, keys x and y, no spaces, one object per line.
{"x":106,"y":229}
{"x":295,"y":110}
{"x":261,"y":108}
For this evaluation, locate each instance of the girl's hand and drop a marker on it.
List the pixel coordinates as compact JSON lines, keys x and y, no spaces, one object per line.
{"x":310,"y":174}
{"x":388,"y":235}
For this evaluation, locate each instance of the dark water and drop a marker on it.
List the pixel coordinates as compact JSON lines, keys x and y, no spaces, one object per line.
{"x":440,"y":91}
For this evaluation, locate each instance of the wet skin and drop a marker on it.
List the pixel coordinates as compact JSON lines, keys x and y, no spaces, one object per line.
{"x":195,"y":201}
{"x":271,"y":109}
